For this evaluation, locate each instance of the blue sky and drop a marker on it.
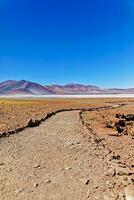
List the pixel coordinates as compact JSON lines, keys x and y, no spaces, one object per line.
{"x":56,"y":41}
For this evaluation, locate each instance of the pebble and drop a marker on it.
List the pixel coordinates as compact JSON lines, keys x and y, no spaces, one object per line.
{"x":111,"y":172}
{"x":68,"y":168}
{"x":69,"y":156}
{"x":37,"y":166}
{"x":85,"y":181}
{"x":47,"y":181}
{"x":35,"y":185}
{"x":9,"y":170}
{"x":1,"y":164}
{"x":19,"y":190}
{"x":121,"y":173}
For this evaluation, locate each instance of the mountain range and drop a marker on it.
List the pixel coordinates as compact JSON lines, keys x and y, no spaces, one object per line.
{"x":24,"y":87}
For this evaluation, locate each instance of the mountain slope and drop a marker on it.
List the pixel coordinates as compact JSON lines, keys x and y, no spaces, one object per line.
{"x":30,"y":88}
{"x":22,"y":87}
{"x":74,"y":89}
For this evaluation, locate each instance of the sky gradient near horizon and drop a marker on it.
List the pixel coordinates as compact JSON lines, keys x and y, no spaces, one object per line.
{"x":77,"y":41}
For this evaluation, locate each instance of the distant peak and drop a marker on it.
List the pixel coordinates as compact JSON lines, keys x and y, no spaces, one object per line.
{"x":24,"y":81}
{"x":10,"y":81}
{"x":73,"y":84}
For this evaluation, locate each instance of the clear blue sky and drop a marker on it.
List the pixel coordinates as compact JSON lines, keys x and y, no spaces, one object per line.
{"x":62,"y":41}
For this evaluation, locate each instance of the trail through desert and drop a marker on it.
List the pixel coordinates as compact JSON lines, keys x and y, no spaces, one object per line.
{"x":58,"y":160}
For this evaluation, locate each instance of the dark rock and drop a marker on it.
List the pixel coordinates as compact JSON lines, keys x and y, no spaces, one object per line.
{"x":97,"y":140}
{"x":129,"y":117}
{"x":85,"y":181}
{"x":32,"y":123}
{"x":120,"y":123}
{"x":116,"y":157}
{"x":120,"y":116}
{"x":120,"y":129}
{"x":1,"y":164}
{"x":35,"y":185}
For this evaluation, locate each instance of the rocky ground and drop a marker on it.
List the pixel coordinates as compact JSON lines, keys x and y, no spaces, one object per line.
{"x":16,"y":114}
{"x":114,"y":129}
{"x":65,"y":158}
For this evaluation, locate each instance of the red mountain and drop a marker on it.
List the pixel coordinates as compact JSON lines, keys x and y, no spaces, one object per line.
{"x":74,"y":89}
{"x":30,"y":88}
{"x":22,"y":88}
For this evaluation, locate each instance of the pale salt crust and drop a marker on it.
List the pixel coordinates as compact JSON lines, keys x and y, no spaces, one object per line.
{"x":70,"y":96}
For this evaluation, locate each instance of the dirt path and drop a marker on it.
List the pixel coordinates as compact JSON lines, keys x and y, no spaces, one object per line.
{"x":58,"y":160}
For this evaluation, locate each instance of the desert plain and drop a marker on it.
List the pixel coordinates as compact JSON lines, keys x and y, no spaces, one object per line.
{"x":66,"y":149}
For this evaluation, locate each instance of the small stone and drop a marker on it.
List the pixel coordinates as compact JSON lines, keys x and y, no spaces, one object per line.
{"x":47,"y":181}
{"x":19,"y":190}
{"x":96,"y":186}
{"x":116,"y":157}
{"x":35,"y":185}
{"x":130,"y":181}
{"x":123,"y":172}
{"x":69,"y":156}
{"x":1,"y":164}
{"x":68,"y":168}
{"x":9,"y":170}
{"x":78,"y":142}
{"x":85,"y":181}
{"x":37,"y":166}
{"x":111,"y":172}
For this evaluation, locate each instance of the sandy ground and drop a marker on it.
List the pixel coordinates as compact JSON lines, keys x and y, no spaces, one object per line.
{"x":16,"y":113}
{"x":62,"y":159}
{"x":58,"y":160}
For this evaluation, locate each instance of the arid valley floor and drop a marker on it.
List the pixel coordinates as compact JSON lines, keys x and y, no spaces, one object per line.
{"x":67,"y":149}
